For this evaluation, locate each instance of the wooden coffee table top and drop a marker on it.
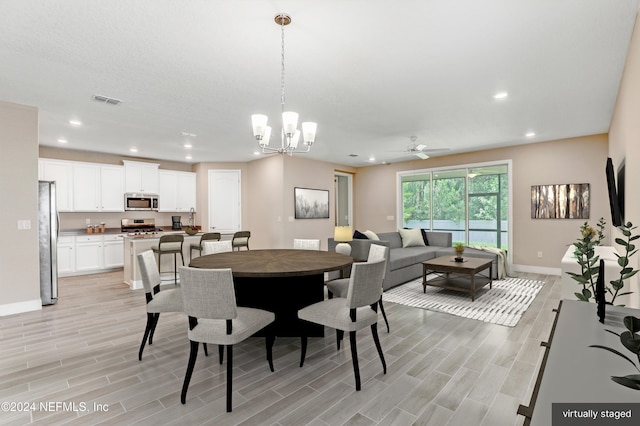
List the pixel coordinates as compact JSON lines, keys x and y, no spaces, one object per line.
{"x":274,"y":262}
{"x":447,"y":264}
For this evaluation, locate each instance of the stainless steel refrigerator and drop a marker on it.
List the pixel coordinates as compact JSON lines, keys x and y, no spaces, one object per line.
{"x":48,"y":239}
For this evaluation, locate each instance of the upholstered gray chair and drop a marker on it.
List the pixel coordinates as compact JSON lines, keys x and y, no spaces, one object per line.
{"x":305,"y":244}
{"x":211,"y":247}
{"x":169,"y":300}
{"x":212,"y":236}
{"x":357,"y":311}
{"x":241,"y":239}
{"x":170,"y":244}
{"x":214,"y":317}
{"x":340,"y":286}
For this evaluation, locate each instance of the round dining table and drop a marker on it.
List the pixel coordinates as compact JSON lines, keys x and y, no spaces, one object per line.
{"x":279,"y":280}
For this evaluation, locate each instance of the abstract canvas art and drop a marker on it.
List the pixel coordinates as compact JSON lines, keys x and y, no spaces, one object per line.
{"x":311,"y":203}
{"x":567,"y":201}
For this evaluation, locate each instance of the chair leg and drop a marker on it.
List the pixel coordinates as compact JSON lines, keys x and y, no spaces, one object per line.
{"x":221,"y":353}
{"x":229,"y":376}
{"x":303,"y":349}
{"x":147,"y":329}
{"x":374,"y":331}
{"x":354,"y":357}
{"x":187,"y":377}
{"x":384,"y":314}
{"x":270,"y":339}
{"x":206,"y":350}
{"x":175,"y":269}
{"x":339,"y":337}
{"x":156,"y":317}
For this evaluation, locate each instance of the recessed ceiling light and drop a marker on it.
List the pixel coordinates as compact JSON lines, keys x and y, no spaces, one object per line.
{"x":256,"y":152}
{"x":187,"y":145}
{"x":134,"y":149}
{"x":75,"y":122}
{"x":500,"y":95}
{"x":530,"y":134}
{"x":61,"y":140}
{"x":372,"y":158}
{"x":188,"y":157}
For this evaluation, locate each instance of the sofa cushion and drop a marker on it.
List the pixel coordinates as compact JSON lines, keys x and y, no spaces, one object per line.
{"x":371,"y":235}
{"x":392,"y":237}
{"x":411,"y":237}
{"x":403,"y":257}
{"x":357,"y":235}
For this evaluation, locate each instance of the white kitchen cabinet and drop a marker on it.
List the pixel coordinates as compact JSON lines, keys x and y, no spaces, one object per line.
{"x":177,"y":192}
{"x":113,"y":251}
{"x":141,"y":177}
{"x":98,"y":187}
{"x":66,"y":255}
{"x":61,"y":172}
{"x":89,"y":253}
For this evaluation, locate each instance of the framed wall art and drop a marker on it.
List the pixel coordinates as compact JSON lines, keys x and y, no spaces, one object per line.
{"x":566,"y":201}
{"x":311,"y":203}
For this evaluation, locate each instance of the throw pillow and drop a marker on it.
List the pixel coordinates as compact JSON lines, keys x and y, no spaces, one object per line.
{"x":371,"y":235}
{"x":357,"y":235}
{"x":424,"y":237}
{"x":411,"y":237}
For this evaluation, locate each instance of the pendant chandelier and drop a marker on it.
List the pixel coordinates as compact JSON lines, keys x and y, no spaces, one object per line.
{"x":289,"y":135}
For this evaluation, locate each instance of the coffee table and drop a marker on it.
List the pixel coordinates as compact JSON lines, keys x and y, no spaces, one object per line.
{"x":460,"y":276}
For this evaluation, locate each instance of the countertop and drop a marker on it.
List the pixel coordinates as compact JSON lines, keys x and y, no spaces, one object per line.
{"x":117,"y":231}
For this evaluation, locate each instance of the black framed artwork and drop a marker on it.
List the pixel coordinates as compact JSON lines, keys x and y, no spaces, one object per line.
{"x":311,"y":203}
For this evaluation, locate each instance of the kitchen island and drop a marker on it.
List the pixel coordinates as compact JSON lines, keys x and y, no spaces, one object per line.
{"x":135,"y":244}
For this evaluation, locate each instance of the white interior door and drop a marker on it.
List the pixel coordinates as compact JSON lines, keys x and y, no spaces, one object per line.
{"x":225,"y":212}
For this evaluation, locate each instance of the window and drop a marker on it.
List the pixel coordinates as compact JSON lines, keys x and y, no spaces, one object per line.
{"x":470,"y":202}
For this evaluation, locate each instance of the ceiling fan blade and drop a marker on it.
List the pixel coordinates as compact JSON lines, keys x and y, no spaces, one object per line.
{"x":421,"y":155}
{"x":420,"y":147}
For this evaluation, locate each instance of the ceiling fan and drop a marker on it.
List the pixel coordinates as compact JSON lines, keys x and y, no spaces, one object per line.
{"x":420,"y":150}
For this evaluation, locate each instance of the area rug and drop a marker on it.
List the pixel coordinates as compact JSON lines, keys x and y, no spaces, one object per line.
{"x":504,"y":304}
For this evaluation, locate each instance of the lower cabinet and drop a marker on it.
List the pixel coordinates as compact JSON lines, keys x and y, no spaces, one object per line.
{"x":89,"y":254}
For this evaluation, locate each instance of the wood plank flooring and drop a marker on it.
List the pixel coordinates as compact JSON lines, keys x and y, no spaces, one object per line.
{"x":75,"y":363}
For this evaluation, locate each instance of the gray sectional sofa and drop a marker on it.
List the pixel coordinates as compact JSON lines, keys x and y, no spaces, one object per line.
{"x":404,"y":264}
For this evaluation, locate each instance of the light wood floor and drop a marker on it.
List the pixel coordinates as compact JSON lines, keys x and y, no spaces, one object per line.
{"x":442,"y":369}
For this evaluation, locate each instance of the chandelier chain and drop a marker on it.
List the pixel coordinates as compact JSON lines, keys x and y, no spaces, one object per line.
{"x":282,"y":98}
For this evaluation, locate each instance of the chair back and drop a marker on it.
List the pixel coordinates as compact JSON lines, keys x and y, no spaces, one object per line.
{"x":208,"y":293}
{"x":302,"y":244}
{"x":171,"y":242}
{"x":378,"y":252}
{"x":365,"y":284}
{"x":211,"y":247}
{"x":210,"y":236}
{"x":241,"y":239}
{"x":148,"y":270}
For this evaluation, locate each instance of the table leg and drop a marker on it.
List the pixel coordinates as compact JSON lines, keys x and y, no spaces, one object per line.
{"x":424,"y":278}
{"x":473,"y":286}
{"x":490,"y":274}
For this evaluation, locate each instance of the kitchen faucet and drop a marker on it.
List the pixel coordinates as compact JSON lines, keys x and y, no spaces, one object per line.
{"x":192,"y":213}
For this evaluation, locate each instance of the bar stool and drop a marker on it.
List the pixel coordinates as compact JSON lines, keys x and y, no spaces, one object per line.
{"x":198,"y":246}
{"x":241,"y":239}
{"x":170,"y":244}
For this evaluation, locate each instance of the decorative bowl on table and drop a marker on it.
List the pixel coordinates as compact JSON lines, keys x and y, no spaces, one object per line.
{"x":191,"y":230}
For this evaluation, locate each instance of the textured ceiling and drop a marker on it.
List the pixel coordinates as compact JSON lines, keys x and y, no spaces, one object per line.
{"x":370,"y":72}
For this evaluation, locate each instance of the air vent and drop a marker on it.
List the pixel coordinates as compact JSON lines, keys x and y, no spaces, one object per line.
{"x":353,"y":155}
{"x":106,"y":100}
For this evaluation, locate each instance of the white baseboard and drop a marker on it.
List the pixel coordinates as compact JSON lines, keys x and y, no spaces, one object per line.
{"x":20,"y":307}
{"x":535,"y":269}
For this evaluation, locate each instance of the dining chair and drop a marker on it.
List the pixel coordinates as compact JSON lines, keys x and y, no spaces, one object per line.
{"x":211,"y":247}
{"x":355,"y":312}
{"x":165,"y":300}
{"x":305,"y":244}
{"x":170,"y":244}
{"x":340,"y":286}
{"x":210,"y":303}
{"x":209,"y":236}
{"x":241,"y":239}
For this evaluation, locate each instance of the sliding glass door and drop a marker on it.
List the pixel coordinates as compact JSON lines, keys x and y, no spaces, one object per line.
{"x":471,"y":202}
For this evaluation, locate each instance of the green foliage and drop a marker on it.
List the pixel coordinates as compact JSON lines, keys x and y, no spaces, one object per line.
{"x":630,"y":339}
{"x":589,"y":262}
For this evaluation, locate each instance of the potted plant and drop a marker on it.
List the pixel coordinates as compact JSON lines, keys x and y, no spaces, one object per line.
{"x":589,"y":261}
{"x":458,"y":249}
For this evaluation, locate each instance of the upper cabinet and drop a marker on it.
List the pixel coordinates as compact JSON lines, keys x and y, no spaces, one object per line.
{"x":98,"y":187}
{"x":141,"y":177}
{"x":60,"y":172}
{"x":177,"y":191}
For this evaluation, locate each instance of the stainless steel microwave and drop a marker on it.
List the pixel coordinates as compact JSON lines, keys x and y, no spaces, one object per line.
{"x":138,"y":201}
